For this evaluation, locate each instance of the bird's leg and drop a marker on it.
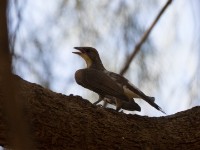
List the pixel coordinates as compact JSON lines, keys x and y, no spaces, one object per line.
{"x":119,"y":104}
{"x":105,"y":104}
{"x":110,"y":100}
{"x":99,"y":100}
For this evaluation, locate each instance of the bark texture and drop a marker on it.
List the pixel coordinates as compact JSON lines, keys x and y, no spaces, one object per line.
{"x":58,"y":121}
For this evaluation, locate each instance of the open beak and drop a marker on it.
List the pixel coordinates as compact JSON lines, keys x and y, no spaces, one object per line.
{"x":81,"y":50}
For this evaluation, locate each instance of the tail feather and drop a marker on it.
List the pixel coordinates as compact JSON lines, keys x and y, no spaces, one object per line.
{"x":158,"y":108}
{"x":152,"y":98}
{"x":151,"y":101}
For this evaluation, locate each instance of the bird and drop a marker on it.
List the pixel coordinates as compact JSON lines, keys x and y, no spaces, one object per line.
{"x":108,"y":84}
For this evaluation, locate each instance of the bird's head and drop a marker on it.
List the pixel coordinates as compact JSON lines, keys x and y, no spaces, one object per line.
{"x":90,"y":55}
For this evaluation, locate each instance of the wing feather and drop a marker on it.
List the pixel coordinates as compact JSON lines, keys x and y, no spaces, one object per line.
{"x":99,"y":82}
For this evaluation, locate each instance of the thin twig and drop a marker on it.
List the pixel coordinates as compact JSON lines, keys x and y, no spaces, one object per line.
{"x":144,"y":37}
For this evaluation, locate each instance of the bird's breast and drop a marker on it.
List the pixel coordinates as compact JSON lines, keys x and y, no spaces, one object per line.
{"x":84,"y":78}
{"x":79,"y":76}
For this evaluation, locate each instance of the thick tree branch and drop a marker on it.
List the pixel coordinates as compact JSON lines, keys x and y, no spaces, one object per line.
{"x":10,"y":106}
{"x":70,"y":122}
{"x":143,"y":39}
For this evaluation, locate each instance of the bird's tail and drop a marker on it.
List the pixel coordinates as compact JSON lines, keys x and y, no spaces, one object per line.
{"x":151,"y":101}
{"x":151,"y":98}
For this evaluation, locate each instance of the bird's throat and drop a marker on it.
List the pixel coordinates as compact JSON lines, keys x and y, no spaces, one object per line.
{"x":87,"y":60}
{"x":93,"y":64}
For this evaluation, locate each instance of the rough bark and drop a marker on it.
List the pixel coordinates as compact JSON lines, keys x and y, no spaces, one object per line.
{"x":58,"y":121}
{"x":10,"y":105}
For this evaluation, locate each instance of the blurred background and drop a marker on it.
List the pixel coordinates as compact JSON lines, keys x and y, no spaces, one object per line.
{"x":43,"y":34}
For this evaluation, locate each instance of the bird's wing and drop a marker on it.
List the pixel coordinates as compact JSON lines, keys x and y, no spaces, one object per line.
{"x":100,"y":83}
{"x":124,"y":82}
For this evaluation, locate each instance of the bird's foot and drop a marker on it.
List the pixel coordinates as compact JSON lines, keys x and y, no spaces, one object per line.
{"x":99,"y":105}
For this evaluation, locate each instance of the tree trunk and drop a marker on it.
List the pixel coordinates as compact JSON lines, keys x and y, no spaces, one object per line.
{"x":58,"y":121}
